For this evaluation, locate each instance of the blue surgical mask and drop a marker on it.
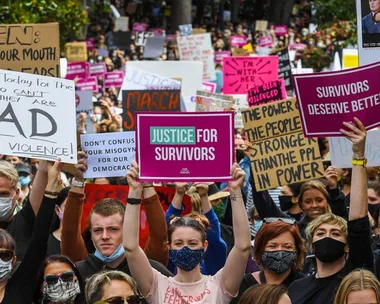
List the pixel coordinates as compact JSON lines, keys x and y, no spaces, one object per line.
{"x":113,"y":257}
{"x":24,"y":181}
{"x":99,"y":117}
{"x":258,"y":225}
{"x":185,"y":258}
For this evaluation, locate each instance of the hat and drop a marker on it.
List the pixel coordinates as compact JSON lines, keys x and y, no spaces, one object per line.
{"x":213,"y":192}
{"x":22,"y":168}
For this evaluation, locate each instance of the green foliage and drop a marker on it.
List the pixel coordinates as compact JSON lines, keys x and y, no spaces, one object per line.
{"x":68,"y":13}
{"x":330,"y":11}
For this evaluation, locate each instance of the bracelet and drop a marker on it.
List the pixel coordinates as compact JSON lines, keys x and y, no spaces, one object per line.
{"x":51,"y":196}
{"x":145,"y":187}
{"x":234,"y":197}
{"x":134,"y":201}
{"x":51,"y":193}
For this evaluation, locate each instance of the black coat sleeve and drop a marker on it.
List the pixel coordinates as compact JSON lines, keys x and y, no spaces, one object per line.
{"x":338,"y":202}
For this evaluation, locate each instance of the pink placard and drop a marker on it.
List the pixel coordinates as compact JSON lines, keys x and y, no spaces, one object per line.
{"x":242,"y":73}
{"x":218,"y":56}
{"x":268,"y":92}
{"x":113,"y":79}
{"x":201,"y":147}
{"x":265,"y":41}
{"x":139,"y":27}
{"x":280,"y":30}
{"x":90,"y":44}
{"x":297,"y":46}
{"x":209,"y":86}
{"x":98,"y":69}
{"x":157,"y":31}
{"x":77,"y":70}
{"x":88,"y":84}
{"x":328,"y":99}
{"x":238,"y":41}
{"x":170,"y":37}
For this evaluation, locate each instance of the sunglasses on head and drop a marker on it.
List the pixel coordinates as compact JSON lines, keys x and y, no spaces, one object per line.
{"x":135,"y":299}
{"x":6,"y":255}
{"x":286,"y":220}
{"x":52,"y":279}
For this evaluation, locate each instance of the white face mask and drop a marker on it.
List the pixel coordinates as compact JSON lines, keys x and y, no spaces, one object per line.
{"x":5,"y":270}
{"x":61,"y":291}
{"x":6,"y":208}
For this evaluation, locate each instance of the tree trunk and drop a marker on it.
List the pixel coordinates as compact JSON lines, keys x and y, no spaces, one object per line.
{"x":181,"y":13}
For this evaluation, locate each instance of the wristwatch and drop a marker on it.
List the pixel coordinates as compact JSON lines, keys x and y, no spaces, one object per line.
{"x":359,"y":161}
{"x":78,"y":184}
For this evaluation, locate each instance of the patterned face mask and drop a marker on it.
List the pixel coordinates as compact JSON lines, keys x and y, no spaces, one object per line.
{"x":219,"y":210}
{"x":278,"y":261}
{"x":61,"y":291}
{"x":185,"y":258}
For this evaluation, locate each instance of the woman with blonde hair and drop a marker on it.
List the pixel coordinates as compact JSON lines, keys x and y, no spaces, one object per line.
{"x":359,"y":287}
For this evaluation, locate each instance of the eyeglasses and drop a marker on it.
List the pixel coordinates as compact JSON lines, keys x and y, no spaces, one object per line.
{"x":120,"y":300}
{"x":52,"y":279}
{"x":6,"y":255}
{"x":286,"y":220}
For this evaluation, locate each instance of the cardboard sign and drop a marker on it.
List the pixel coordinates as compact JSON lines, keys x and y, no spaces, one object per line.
{"x":139,"y":27}
{"x":30,"y":48}
{"x":238,"y":41}
{"x":240,"y":102}
{"x":87,"y":84}
{"x":220,"y":55}
{"x":341,"y":150}
{"x":280,"y":30}
{"x":280,"y":154}
{"x":242,"y":73}
{"x":209,"y":86}
{"x":266,"y":41}
{"x":284,"y":68}
{"x":236,"y":52}
{"x":269,"y":91}
{"x":37,"y":116}
{"x":198,"y":48}
{"x":350,"y":59}
{"x":121,"y":24}
{"x":109,"y":154}
{"x":113,"y":79}
{"x":197,"y":31}
{"x":148,"y":100}
{"x":95,"y":193}
{"x":77,"y":70}
{"x":335,"y":97}
{"x":261,"y":25}
{"x":154,"y":46}
{"x":98,"y":69}
{"x":185,"y":29}
{"x":76,"y":51}
{"x":84,"y":104}
{"x":141,"y":38}
{"x":185,"y":146}
{"x":213,"y":102}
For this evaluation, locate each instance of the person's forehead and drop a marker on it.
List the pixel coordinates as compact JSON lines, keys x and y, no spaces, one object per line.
{"x":285,"y":237}
{"x":5,"y":184}
{"x":117,"y":288}
{"x":328,"y":227}
{"x":186,"y":233}
{"x":105,"y":221}
{"x":57,"y":268}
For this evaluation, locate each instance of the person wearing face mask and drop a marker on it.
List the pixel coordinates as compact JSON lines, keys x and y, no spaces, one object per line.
{"x":105,"y":225}
{"x":24,"y":179}
{"x":187,"y":242}
{"x":338,"y":246}
{"x":216,"y":253}
{"x":280,"y":252}
{"x":289,"y":200}
{"x":59,"y":282}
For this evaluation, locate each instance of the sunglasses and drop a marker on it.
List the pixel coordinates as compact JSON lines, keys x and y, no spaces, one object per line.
{"x":6,"y":255}
{"x":52,"y":279}
{"x":286,"y":220}
{"x":120,"y":300}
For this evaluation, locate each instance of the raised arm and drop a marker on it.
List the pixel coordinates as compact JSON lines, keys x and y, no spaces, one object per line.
{"x":233,"y":271}
{"x":39,"y":185}
{"x":138,"y":263}
{"x":175,"y":209}
{"x":338,"y":199}
{"x":72,"y":243}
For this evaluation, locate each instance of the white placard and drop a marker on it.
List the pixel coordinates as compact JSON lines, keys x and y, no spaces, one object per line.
{"x":121,"y":24}
{"x":186,"y":29}
{"x":84,"y":104}
{"x":109,"y":154}
{"x":240,"y":102}
{"x":141,"y":38}
{"x":37,"y":117}
{"x":198,"y":48}
{"x":341,"y":150}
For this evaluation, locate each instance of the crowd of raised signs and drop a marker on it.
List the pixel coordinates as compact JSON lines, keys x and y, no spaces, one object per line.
{"x":69,"y":239}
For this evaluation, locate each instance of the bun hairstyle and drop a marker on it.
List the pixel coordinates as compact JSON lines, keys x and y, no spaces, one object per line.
{"x":193,"y":220}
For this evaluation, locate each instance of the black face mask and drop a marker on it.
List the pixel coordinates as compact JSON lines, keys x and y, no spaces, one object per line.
{"x":285,"y":202}
{"x":373,"y":210}
{"x":328,"y":250}
{"x":240,"y":154}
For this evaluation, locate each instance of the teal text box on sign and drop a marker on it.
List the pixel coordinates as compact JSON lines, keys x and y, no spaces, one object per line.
{"x":172,"y":136}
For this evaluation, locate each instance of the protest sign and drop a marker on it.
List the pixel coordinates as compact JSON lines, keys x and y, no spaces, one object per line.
{"x":218,"y":57}
{"x":139,"y":27}
{"x":266,"y":41}
{"x":280,"y":30}
{"x":154,"y":46}
{"x":120,"y":40}
{"x":103,"y":52}
{"x":113,"y":79}
{"x":237,"y":52}
{"x":95,"y":193}
{"x":37,"y":116}
{"x":30,"y":48}
{"x":171,"y":38}
{"x":238,"y":41}
{"x":141,"y":38}
{"x":90,"y":44}
{"x":121,"y":24}
{"x":98,"y":69}
{"x":280,"y":154}
{"x":76,"y":51}
{"x":209,"y":86}
{"x":109,"y":154}
{"x":284,"y":68}
{"x":240,"y":102}
{"x":84,"y":104}
{"x":297,"y":46}
{"x":261,"y":25}
{"x":157,"y":31}
{"x":197,"y":31}
{"x":77,"y":70}
{"x":341,"y":150}
{"x":198,"y":48}
{"x":213,"y":102}
{"x":335,"y":97}
{"x":148,"y":100}
{"x":190,"y":146}
{"x":185,"y":29}
{"x":350,"y":58}
{"x":87,"y":84}
{"x":242,"y":73}
{"x":269,"y":91}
